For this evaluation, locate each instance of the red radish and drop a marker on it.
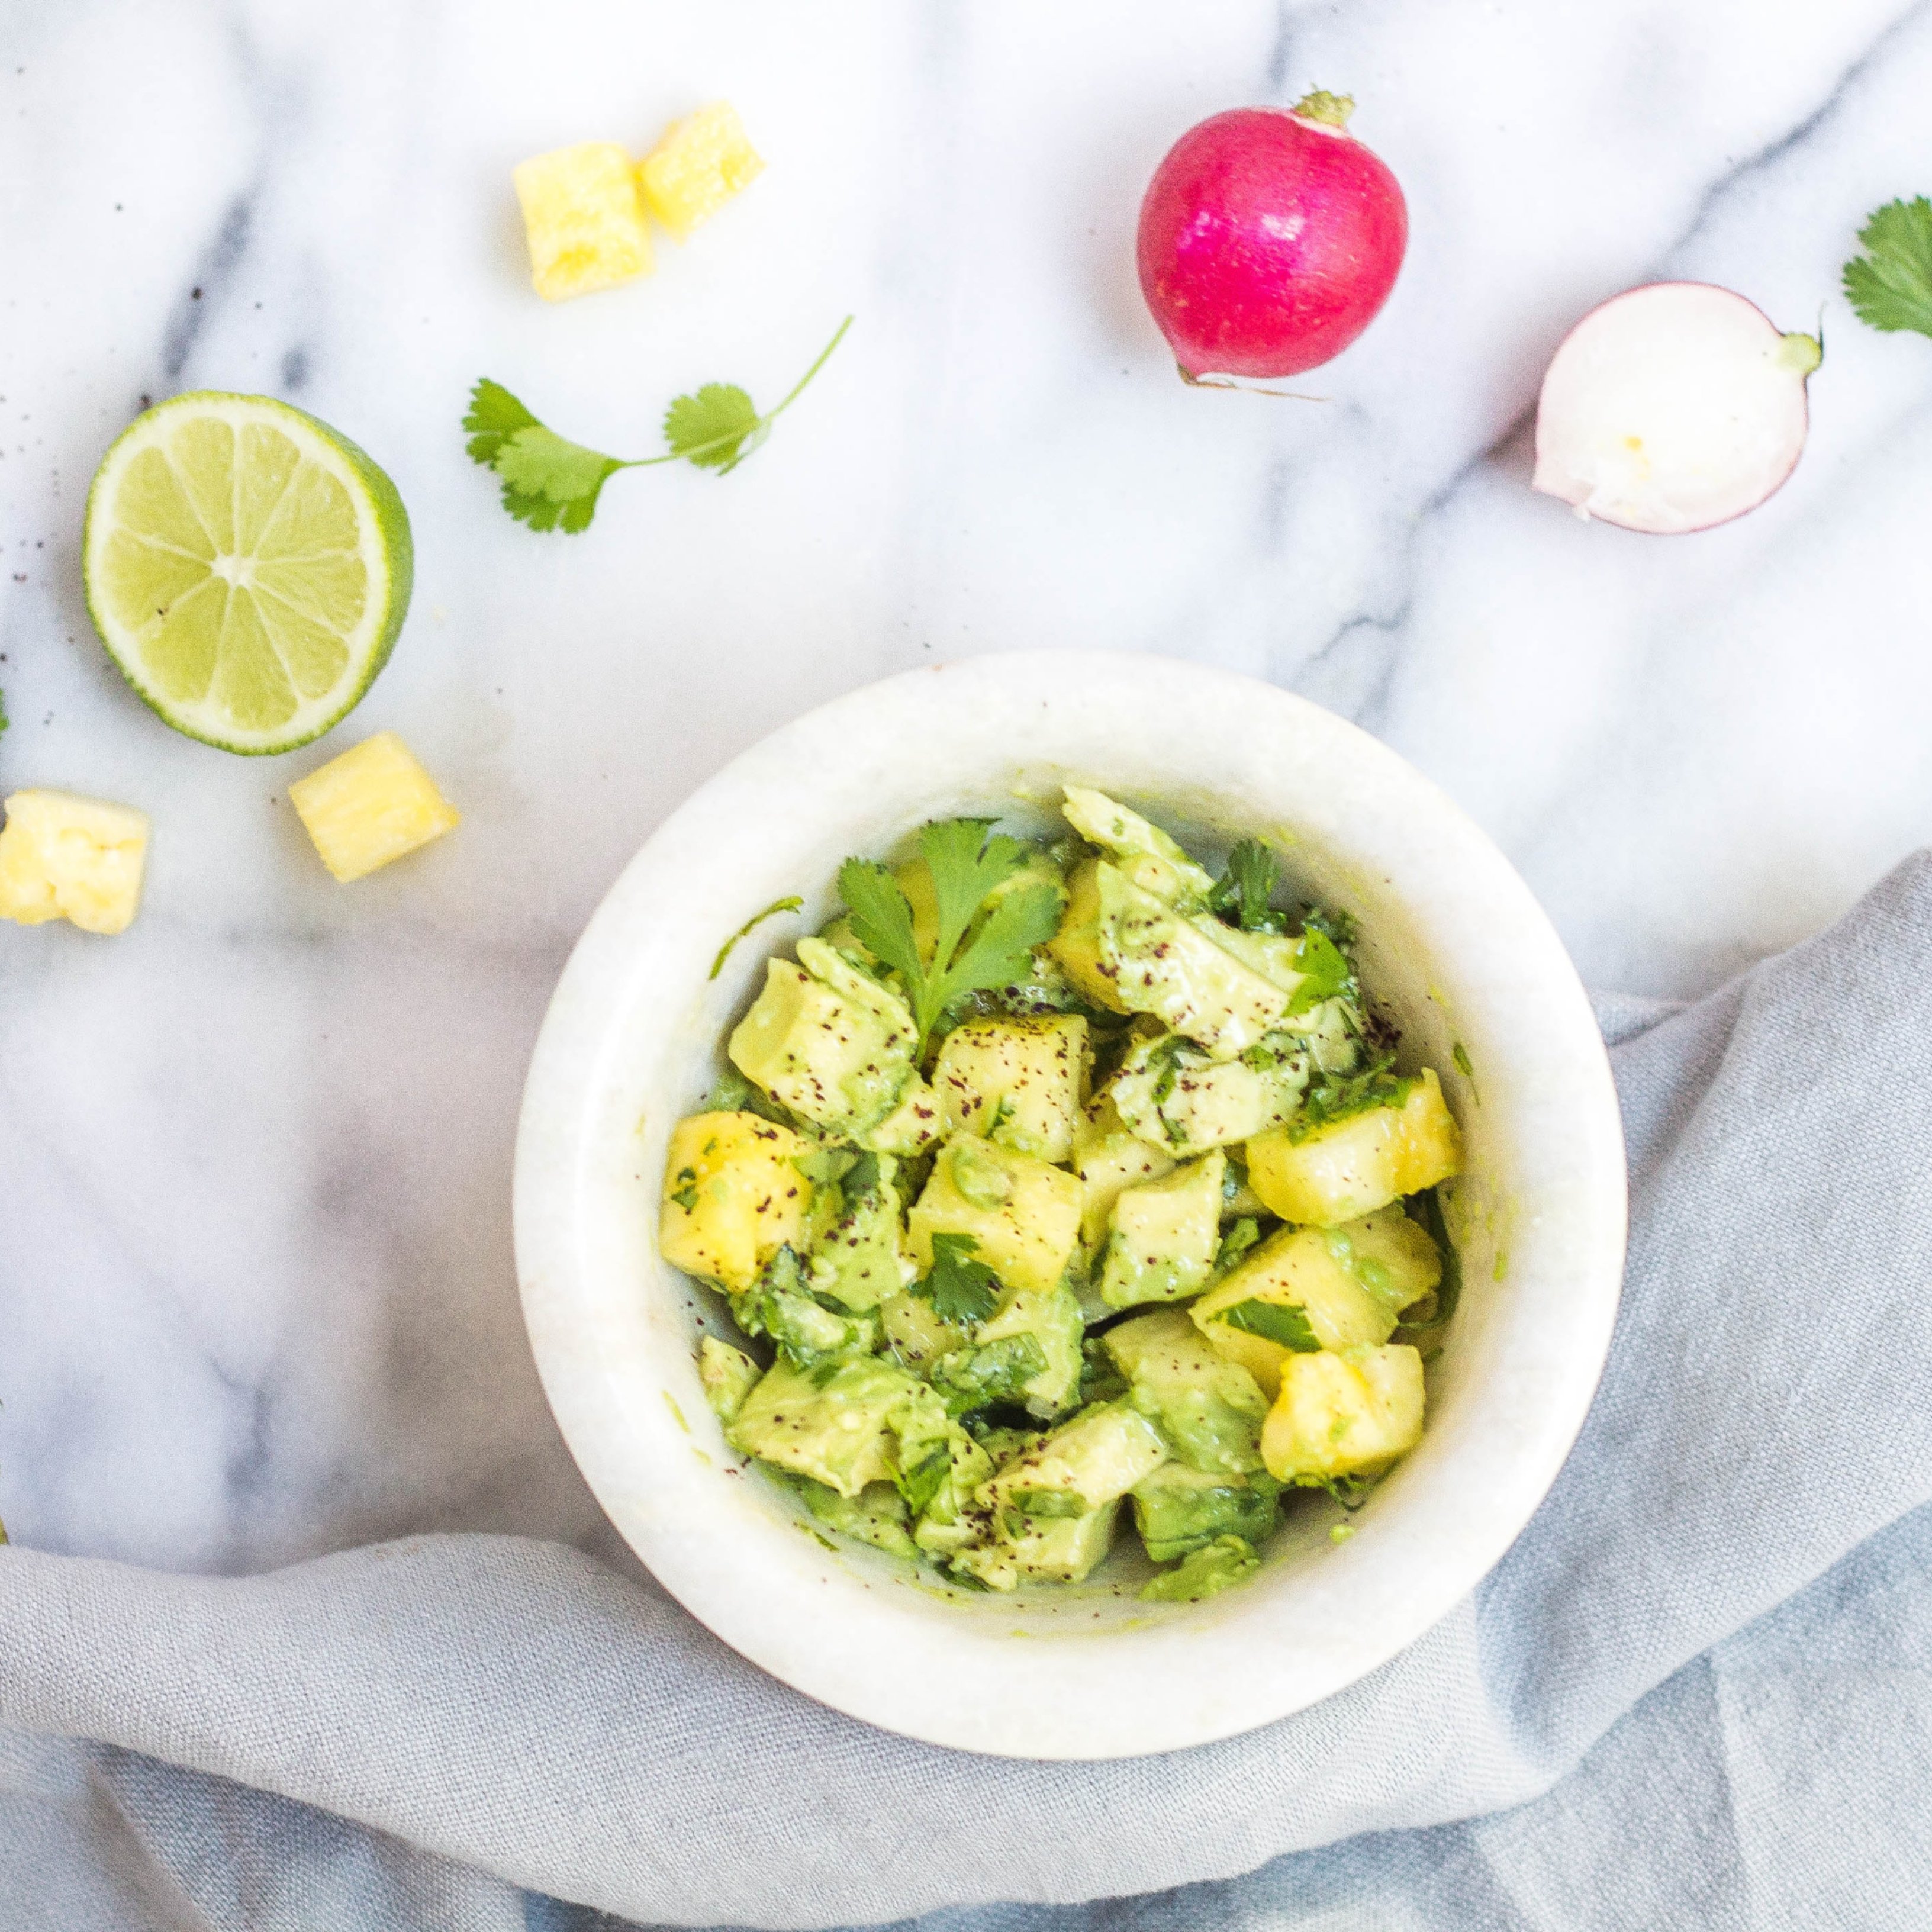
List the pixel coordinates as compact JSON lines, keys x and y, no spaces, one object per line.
{"x":1672,"y":407}
{"x":1269,"y":239}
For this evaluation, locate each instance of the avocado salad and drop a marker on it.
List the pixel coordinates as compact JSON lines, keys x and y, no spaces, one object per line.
{"x":1054,"y":1176}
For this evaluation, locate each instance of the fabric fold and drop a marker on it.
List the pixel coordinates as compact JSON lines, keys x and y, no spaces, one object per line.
{"x":514,"y":1706}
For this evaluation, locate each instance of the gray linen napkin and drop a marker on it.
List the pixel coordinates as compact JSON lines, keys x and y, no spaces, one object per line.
{"x":510,"y":1705}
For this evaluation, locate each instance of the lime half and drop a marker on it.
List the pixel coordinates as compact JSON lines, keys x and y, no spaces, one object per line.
{"x":248,"y":568}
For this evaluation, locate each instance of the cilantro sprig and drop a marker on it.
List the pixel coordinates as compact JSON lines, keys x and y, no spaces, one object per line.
{"x":1890,"y":285}
{"x":960,"y":1289}
{"x":1242,"y":895}
{"x":553,"y":483}
{"x":969,"y":861}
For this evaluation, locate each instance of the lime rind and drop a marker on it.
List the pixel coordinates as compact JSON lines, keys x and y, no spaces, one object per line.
{"x":303,"y":621}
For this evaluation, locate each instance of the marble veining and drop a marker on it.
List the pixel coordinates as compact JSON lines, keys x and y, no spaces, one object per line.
{"x":255,"y":1292}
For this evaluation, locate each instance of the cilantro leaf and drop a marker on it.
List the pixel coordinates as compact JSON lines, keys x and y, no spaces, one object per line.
{"x":881,"y":918}
{"x":960,"y":1289}
{"x":1245,"y":1234}
{"x":967,"y":861}
{"x":1284,"y":1322}
{"x":1336,"y":1100}
{"x":551,"y":483}
{"x":716,"y":429}
{"x":999,"y":952}
{"x":493,"y":415}
{"x":1890,"y":286}
{"x":1327,"y":968}
{"x":1245,"y":889}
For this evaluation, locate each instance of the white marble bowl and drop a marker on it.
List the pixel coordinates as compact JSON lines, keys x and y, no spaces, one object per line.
{"x":1453,"y":942}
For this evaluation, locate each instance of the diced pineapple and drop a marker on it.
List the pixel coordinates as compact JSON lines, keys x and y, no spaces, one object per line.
{"x":1347,"y":1415}
{"x":370,"y":806}
{"x":584,"y":218}
{"x":1017,"y":1081}
{"x":76,"y":858}
{"x":734,"y":1195}
{"x":1359,"y":1163}
{"x":1023,"y":1214}
{"x":700,"y":164}
{"x":1306,"y":1269}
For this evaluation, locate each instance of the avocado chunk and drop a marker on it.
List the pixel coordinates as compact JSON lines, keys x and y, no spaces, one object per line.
{"x":952,"y":1518}
{"x":917,"y":1334}
{"x":911,"y":1127}
{"x":728,"y":1375}
{"x":1108,"y":1157}
{"x":1050,"y":1319}
{"x":1168,"y":1090}
{"x":1095,"y":1458}
{"x":1075,"y":948}
{"x":839,"y":1433}
{"x":1024,"y":1212}
{"x":859,"y":1260}
{"x":781,"y":1304}
{"x":1163,"y":963}
{"x":1164,"y":867}
{"x":1017,"y":1081}
{"x":1163,"y":1236}
{"x":1177,"y":1509}
{"x":1227,"y":1560}
{"x":827,"y":1042}
{"x":1341,"y":1169}
{"x":1053,"y":1549}
{"x":1209,"y":1409}
{"x":1347,"y":1285}
{"x":877,"y":1515}
{"x":734,"y":1195}
{"x":1350,"y":1414}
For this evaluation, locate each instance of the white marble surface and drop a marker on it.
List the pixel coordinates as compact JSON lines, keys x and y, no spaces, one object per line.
{"x":256,"y":1295}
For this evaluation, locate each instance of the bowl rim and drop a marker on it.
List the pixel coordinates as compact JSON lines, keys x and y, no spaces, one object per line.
{"x":949,"y":1681}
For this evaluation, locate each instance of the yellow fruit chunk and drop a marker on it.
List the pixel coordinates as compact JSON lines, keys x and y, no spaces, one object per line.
{"x":77,"y":858}
{"x":701,"y":162}
{"x":584,"y":219}
{"x":370,"y":806}
{"x":1024,"y":1212}
{"x":1017,"y":1081}
{"x":733,"y":1196}
{"x":1346,"y":1415}
{"x":1359,"y":1163}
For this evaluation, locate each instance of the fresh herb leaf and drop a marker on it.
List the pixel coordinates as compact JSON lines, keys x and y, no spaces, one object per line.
{"x":967,"y":861}
{"x":1449,"y":1289}
{"x":791,"y":903}
{"x":714,"y":429}
{"x":1332,"y":1100}
{"x":960,"y":1289}
{"x":1286,"y":1323}
{"x":1243,"y":894}
{"x":881,"y":918}
{"x":1244,"y":1235}
{"x":551,"y":483}
{"x":1338,"y":927}
{"x":1329,"y":974}
{"x":1890,"y":286}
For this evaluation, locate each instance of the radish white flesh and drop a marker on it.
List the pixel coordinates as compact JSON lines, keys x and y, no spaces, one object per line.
{"x":1671,"y":408}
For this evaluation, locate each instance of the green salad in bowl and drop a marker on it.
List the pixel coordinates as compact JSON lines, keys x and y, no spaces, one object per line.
{"x":1064,"y":1184}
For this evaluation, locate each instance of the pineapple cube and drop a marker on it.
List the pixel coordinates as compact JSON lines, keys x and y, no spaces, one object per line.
{"x":1017,"y":1081}
{"x":734,"y":1195}
{"x":1346,"y":1415}
{"x":700,"y":164}
{"x":76,"y":858}
{"x":1359,"y":1163}
{"x":370,"y":806}
{"x":584,"y":219}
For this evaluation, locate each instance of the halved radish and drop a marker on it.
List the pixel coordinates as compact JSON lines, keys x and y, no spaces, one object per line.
{"x":1672,"y":407}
